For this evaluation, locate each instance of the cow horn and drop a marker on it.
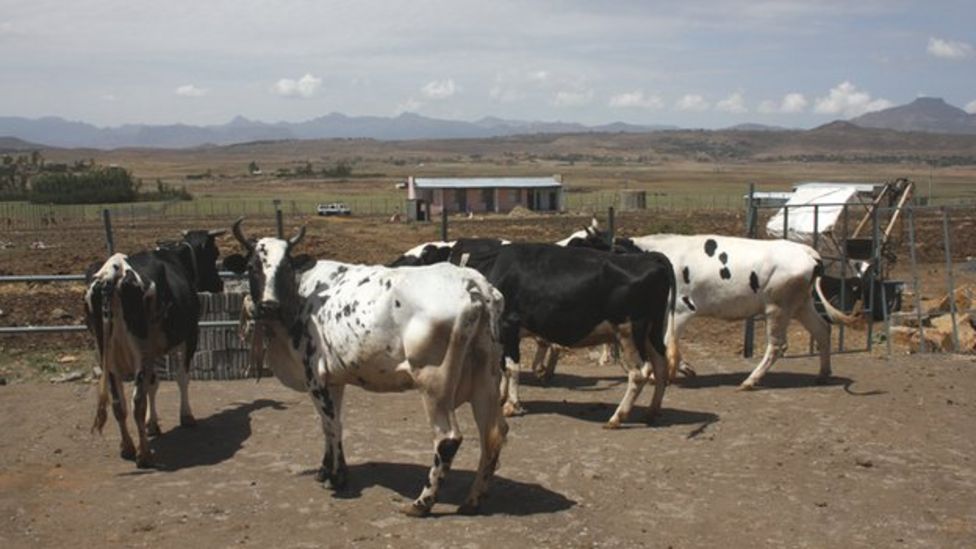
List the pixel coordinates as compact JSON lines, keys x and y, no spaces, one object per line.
{"x":216,"y":232}
{"x":293,"y":241}
{"x":594,"y":223}
{"x":185,"y":233}
{"x":239,"y":234}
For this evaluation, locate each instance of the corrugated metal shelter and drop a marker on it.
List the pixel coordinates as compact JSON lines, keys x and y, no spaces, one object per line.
{"x":431,"y":195}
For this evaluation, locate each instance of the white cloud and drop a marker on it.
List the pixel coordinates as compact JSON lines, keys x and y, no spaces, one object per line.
{"x":949,"y":49}
{"x":692,"y":102}
{"x":971,"y":107}
{"x":733,"y":103}
{"x":636,"y":99}
{"x":439,"y":89}
{"x":410,"y":105}
{"x":790,"y":104}
{"x":847,"y":100}
{"x":305,"y":86}
{"x":567,"y":98}
{"x":189,"y":90}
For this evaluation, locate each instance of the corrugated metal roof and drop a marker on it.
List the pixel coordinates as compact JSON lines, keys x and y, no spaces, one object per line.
{"x":485,"y":182}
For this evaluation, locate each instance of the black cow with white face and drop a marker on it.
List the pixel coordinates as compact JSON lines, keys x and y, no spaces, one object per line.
{"x":579,"y":298}
{"x":140,"y":307}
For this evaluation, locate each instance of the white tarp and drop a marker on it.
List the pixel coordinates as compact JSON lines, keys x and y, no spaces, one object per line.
{"x":829,"y":198}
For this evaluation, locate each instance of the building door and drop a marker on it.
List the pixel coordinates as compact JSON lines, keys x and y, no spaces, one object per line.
{"x":530,"y":199}
{"x":462,"y":200}
{"x":488,"y":199}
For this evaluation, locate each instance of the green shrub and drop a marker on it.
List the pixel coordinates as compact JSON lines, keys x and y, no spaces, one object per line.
{"x":100,"y":185}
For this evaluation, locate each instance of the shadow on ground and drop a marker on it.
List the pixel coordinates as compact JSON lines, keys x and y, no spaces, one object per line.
{"x":600,"y":412}
{"x":574,"y":382}
{"x":505,"y":496}
{"x":772,"y":380}
{"x":215,"y":438}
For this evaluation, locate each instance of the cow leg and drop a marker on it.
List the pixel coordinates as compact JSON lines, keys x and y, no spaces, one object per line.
{"x":447,"y":440}
{"x":777,"y":323}
{"x":183,"y":380}
{"x":492,"y":430}
{"x":152,"y":424}
{"x":512,"y":406}
{"x":329,"y":405}
{"x":660,"y":363}
{"x":680,"y":321}
{"x":143,"y":455}
{"x":820,"y":331}
{"x":126,"y":448}
{"x":637,"y":377}
{"x":540,"y":354}
{"x":552,"y":357}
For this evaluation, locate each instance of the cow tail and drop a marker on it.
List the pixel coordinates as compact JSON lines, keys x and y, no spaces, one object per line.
{"x":835,"y":314}
{"x":674,"y":352}
{"x":101,"y":412}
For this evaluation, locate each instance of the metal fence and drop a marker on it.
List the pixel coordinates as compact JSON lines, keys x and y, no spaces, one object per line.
{"x":880,"y":305}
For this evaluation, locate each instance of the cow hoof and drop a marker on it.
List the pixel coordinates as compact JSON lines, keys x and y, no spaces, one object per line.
{"x":614,"y":423}
{"x":512,"y":410}
{"x":127,"y":453}
{"x":144,"y":462}
{"x":745,"y":386}
{"x":469,"y":509}
{"x":188,"y":421}
{"x":687,"y":371}
{"x":323,"y":475}
{"x":414,"y":510}
{"x":153,"y":430}
{"x":339,"y":480}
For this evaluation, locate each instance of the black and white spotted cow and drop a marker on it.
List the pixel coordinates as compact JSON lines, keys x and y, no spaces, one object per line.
{"x":432,"y":328}
{"x":138,"y":308}
{"x":580,"y":298}
{"x":735,"y":278}
{"x":438,"y":251}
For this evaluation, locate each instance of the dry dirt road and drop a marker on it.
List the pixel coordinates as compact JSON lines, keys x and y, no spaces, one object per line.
{"x":884,"y":456}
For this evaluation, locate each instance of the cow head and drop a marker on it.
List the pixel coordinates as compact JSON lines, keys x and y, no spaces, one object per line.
{"x":424,"y":254}
{"x":198,"y":254}
{"x":271,"y":273}
{"x":593,"y":237}
{"x":205,"y":255}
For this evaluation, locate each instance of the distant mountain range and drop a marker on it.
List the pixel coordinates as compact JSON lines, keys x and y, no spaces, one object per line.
{"x":57,"y":132}
{"x":925,"y":114}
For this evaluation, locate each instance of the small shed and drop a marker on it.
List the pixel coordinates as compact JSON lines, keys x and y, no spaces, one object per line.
{"x":429,"y":196}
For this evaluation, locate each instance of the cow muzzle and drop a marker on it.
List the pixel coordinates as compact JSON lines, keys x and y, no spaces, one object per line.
{"x":267,"y":309}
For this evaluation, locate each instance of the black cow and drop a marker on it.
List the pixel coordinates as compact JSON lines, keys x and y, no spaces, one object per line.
{"x":578,"y":298}
{"x":140,"y":307}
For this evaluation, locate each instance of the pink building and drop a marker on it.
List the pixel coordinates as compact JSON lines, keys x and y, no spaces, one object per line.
{"x":428,"y":196}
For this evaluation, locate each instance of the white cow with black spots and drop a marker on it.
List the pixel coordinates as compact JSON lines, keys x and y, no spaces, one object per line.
{"x":386,"y":330}
{"x":733,"y":278}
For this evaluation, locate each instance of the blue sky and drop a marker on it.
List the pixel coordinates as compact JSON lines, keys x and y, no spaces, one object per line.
{"x":690,"y":63}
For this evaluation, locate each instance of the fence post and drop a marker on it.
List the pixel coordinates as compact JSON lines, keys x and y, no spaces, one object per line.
{"x":915,"y":289}
{"x":444,"y":223}
{"x":843,"y":277}
{"x":950,"y":279}
{"x":611,"y":225}
{"x":816,"y":242}
{"x":874,"y":272}
{"x":109,"y":241}
{"x":279,"y":221}
{"x":750,"y":328}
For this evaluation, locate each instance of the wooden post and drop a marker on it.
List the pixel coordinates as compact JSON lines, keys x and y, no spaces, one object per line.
{"x":109,"y":241}
{"x":750,"y":328}
{"x":279,"y":221}
{"x":444,"y":223}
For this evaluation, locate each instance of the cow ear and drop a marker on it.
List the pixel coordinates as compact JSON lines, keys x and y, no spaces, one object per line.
{"x":235,"y":263}
{"x":302,"y":262}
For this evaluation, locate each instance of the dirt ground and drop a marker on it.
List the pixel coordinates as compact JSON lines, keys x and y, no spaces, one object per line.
{"x":885,"y":455}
